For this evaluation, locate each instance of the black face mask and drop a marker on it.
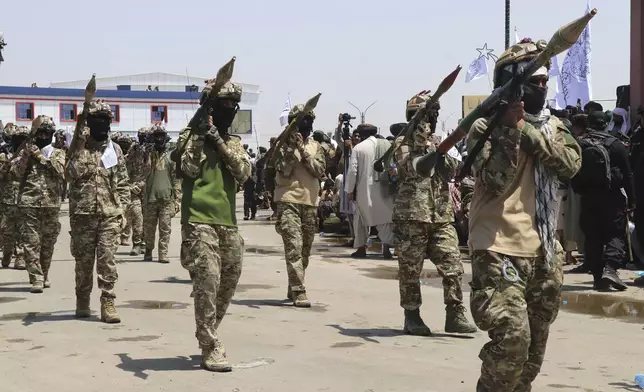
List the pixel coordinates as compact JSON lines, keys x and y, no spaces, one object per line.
{"x":124,"y":147}
{"x":99,"y":128}
{"x":16,"y":142}
{"x":40,"y":143}
{"x":306,"y":127}
{"x":534,"y":98}
{"x":223,"y":117}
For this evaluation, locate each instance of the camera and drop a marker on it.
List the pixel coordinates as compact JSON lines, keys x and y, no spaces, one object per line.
{"x":346,"y":117}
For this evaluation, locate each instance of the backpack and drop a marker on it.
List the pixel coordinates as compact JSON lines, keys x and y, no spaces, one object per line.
{"x":595,"y":172}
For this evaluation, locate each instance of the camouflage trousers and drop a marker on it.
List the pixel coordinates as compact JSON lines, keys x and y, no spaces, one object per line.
{"x":297,"y":224}
{"x":439,"y":241}
{"x":135,"y":221}
{"x":93,"y":240}
{"x":213,"y":257}
{"x":158,"y":214}
{"x":10,"y":236}
{"x":39,"y":230}
{"x":517,"y":316}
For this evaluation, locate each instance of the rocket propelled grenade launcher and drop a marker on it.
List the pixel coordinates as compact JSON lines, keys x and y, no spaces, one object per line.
{"x":420,"y":114}
{"x":292,"y":126}
{"x":224,"y":75}
{"x":562,"y":40}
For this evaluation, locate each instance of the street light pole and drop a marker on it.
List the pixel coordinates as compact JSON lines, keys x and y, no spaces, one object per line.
{"x":362,"y":114}
{"x":507,"y":24}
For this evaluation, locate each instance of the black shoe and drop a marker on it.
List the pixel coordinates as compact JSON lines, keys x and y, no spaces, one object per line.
{"x":361,"y":253}
{"x":611,"y":278}
{"x":414,"y":324}
{"x":245,"y":218}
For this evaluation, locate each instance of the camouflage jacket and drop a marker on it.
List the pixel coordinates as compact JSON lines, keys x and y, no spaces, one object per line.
{"x":137,"y":164}
{"x":420,"y":198}
{"x":161,"y":161}
{"x":8,"y":182}
{"x":93,"y":188}
{"x":288,"y":156}
{"x":39,"y":178}
{"x":235,"y":159}
{"x":467,"y":190}
{"x":496,"y":165}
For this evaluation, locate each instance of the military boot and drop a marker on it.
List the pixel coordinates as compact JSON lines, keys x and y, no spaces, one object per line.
{"x":414,"y":324}
{"x":456,"y":322}
{"x":109,"y":314}
{"x":19,"y":264}
{"x":37,"y":287}
{"x":136,"y":250}
{"x":289,"y":293}
{"x":82,"y":306}
{"x":300,"y":300}
{"x":148,"y":255}
{"x":214,"y":360}
{"x":163,"y":259}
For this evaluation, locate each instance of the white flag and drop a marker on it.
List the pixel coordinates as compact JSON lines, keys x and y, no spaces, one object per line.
{"x":285,"y":111}
{"x":516,"y":36}
{"x":555,"y":73}
{"x":575,"y":73}
{"x":477,"y":68}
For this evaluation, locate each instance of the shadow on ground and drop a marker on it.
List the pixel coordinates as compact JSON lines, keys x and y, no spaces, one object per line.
{"x":139,"y":367}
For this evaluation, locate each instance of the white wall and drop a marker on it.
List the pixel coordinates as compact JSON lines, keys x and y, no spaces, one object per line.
{"x":133,"y":115}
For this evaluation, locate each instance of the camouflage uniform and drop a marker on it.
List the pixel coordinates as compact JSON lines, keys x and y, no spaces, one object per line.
{"x":516,"y":298}
{"x":158,"y":210}
{"x":137,"y":168}
{"x":297,"y":222}
{"x":8,"y":197}
{"x":125,"y":142}
{"x":40,"y":173}
{"x":423,"y":217}
{"x":98,"y":196}
{"x":211,"y":247}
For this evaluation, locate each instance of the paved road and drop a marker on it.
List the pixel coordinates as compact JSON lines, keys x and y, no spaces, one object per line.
{"x":350,"y":340}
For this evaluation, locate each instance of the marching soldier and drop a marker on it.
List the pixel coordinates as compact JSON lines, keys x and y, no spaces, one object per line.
{"x":213,"y":165}
{"x":423,"y":217}
{"x":8,"y":195}
{"x":125,"y":142}
{"x":300,"y":165}
{"x":516,"y":259}
{"x":162,"y":196}
{"x":39,"y":167}
{"x":137,"y":163}
{"x":99,"y":193}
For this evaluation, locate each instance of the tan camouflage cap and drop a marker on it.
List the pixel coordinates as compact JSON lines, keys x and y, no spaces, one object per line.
{"x":157,"y":128}
{"x":115,"y":136}
{"x":100,"y":108}
{"x":43,"y":123}
{"x":9,"y":130}
{"x":230,"y":90}
{"x":21,"y":131}
{"x":525,"y":50}
{"x":143,"y":131}
{"x":416,"y":102}
{"x":297,"y":109}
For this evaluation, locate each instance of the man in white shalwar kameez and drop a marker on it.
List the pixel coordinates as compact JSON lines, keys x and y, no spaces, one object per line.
{"x":373,"y":199}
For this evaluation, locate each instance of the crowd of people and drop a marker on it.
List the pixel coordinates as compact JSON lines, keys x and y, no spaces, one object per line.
{"x":542,"y":179}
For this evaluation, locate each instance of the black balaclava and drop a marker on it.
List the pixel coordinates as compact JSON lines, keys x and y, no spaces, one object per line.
{"x":223,"y":117}
{"x":43,"y":142}
{"x":534,"y":98}
{"x":16,"y":141}
{"x":99,"y":127}
{"x":306,"y":127}
{"x":159,"y":141}
{"x":125,"y":147}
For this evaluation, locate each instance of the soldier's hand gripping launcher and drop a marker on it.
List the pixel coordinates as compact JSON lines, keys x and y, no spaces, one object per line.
{"x":206,"y":102}
{"x":420,"y":114}
{"x":562,"y":40}
{"x":292,"y":127}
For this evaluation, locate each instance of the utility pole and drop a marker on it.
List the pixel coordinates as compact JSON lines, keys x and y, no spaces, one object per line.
{"x":362,"y":114}
{"x":507,"y":24}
